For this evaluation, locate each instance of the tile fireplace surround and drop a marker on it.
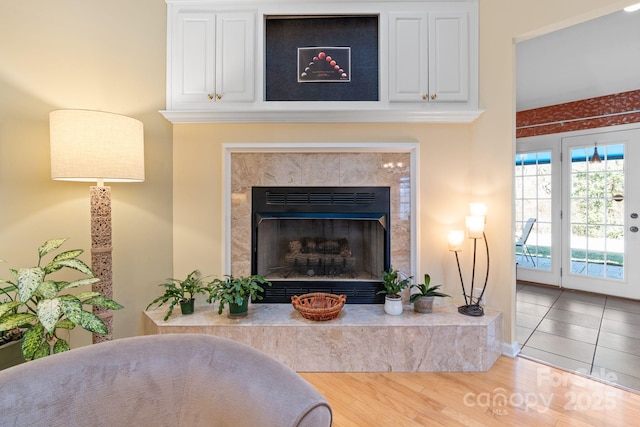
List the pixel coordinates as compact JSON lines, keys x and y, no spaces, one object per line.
{"x":322,"y":165}
{"x":362,"y":338}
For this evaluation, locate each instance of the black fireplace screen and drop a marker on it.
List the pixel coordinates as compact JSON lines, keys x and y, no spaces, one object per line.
{"x":321,"y":239}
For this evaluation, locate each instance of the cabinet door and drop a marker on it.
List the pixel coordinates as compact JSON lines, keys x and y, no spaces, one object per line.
{"x":192,"y":60}
{"x":235,"y":55}
{"x":448,"y":56}
{"x":408,"y":57}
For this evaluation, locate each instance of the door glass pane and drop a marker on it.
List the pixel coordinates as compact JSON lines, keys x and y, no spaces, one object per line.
{"x":597,"y":211}
{"x":533,"y":187}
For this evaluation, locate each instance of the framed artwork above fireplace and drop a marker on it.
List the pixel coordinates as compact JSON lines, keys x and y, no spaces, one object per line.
{"x":349,"y":42}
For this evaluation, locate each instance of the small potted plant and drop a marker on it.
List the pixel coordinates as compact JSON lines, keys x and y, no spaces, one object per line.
{"x":36,"y":305}
{"x":393,"y":285}
{"x":423,"y":299}
{"x":236,"y":291}
{"x":181,"y":292}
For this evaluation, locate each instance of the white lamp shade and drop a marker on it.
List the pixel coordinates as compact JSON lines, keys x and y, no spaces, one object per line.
{"x":94,"y":146}
{"x":475,"y":226}
{"x":455,"y":238}
{"x":478,"y":209}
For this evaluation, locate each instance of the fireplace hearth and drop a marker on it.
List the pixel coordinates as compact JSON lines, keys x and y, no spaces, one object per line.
{"x":321,"y":239}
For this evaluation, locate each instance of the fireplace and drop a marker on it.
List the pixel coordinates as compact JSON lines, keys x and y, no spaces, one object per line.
{"x":321,"y":239}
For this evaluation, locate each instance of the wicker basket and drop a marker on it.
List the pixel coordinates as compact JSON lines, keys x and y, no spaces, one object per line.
{"x":318,"y":305}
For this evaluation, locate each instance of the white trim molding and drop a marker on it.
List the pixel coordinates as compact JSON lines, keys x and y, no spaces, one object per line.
{"x":511,"y":350}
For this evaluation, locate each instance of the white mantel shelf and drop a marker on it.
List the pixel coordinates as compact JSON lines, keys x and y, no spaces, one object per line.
{"x":361,"y":339}
{"x":320,"y":116}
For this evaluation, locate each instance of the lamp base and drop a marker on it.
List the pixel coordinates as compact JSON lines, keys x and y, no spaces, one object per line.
{"x":471,"y":310}
{"x":101,"y":259}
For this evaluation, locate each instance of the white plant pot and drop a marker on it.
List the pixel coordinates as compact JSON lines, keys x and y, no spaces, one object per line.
{"x":393,"y":306}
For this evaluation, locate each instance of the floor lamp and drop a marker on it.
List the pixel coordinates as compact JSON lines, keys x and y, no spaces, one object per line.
{"x":95,"y":146}
{"x":475,"y":230}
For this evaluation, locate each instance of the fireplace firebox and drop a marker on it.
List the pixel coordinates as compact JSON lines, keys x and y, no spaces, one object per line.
{"x":321,"y":239}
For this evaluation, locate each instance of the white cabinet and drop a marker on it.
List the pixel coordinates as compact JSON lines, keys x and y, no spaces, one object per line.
{"x":427,"y":66}
{"x":449,"y":56}
{"x":408,"y":56}
{"x":429,"y":57}
{"x":211,"y":59}
{"x":191,"y":69}
{"x":235,"y":56}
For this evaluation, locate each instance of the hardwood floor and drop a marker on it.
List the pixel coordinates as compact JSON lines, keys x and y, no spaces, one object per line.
{"x":515,"y":392}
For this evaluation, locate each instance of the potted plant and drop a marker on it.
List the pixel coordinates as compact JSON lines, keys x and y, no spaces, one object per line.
{"x":10,"y":353}
{"x":393,"y":285}
{"x":38,"y":305}
{"x":236,"y":291}
{"x":181,"y":292}
{"x":423,"y":299}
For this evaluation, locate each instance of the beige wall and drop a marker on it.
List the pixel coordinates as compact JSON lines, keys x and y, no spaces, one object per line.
{"x":110,"y":55}
{"x":502,"y":23}
{"x":459,"y":163}
{"x":198,"y":174}
{"x":102,"y":55}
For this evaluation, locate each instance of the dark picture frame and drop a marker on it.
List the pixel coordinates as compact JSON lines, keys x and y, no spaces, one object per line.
{"x":290,"y":39}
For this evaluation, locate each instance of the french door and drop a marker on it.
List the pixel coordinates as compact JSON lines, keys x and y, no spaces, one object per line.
{"x":601,"y":207}
{"x":586,"y":206}
{"x":537,"y":196}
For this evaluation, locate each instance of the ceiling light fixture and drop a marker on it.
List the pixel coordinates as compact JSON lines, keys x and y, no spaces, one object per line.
{"x":595,"y":157}
{"x":632,"y":8}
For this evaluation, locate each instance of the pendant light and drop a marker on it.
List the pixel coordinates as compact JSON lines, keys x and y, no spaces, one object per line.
{"x":595,"y":158}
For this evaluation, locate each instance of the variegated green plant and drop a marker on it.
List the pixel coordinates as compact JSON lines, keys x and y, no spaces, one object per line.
{"x":41,"y":305}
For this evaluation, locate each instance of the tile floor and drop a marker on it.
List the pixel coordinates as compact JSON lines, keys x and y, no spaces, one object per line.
{"x":591,"y":334}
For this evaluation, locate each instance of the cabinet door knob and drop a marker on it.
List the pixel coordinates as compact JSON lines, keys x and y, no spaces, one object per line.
{"x":210,"y":96}
{"x":218,"y":97}
{"x":434,"y":96}
{"x":425,"y":96}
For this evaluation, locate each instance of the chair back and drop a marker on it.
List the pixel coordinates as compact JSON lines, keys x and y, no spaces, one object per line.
{"x":526,"y":230}
{"x":160,"y":380}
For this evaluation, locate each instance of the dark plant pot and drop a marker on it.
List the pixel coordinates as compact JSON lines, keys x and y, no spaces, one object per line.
{"x":10,"y":355}
{"x":187,"y":306}
{"x":423,"y":305}
{"x":239,"y":310}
